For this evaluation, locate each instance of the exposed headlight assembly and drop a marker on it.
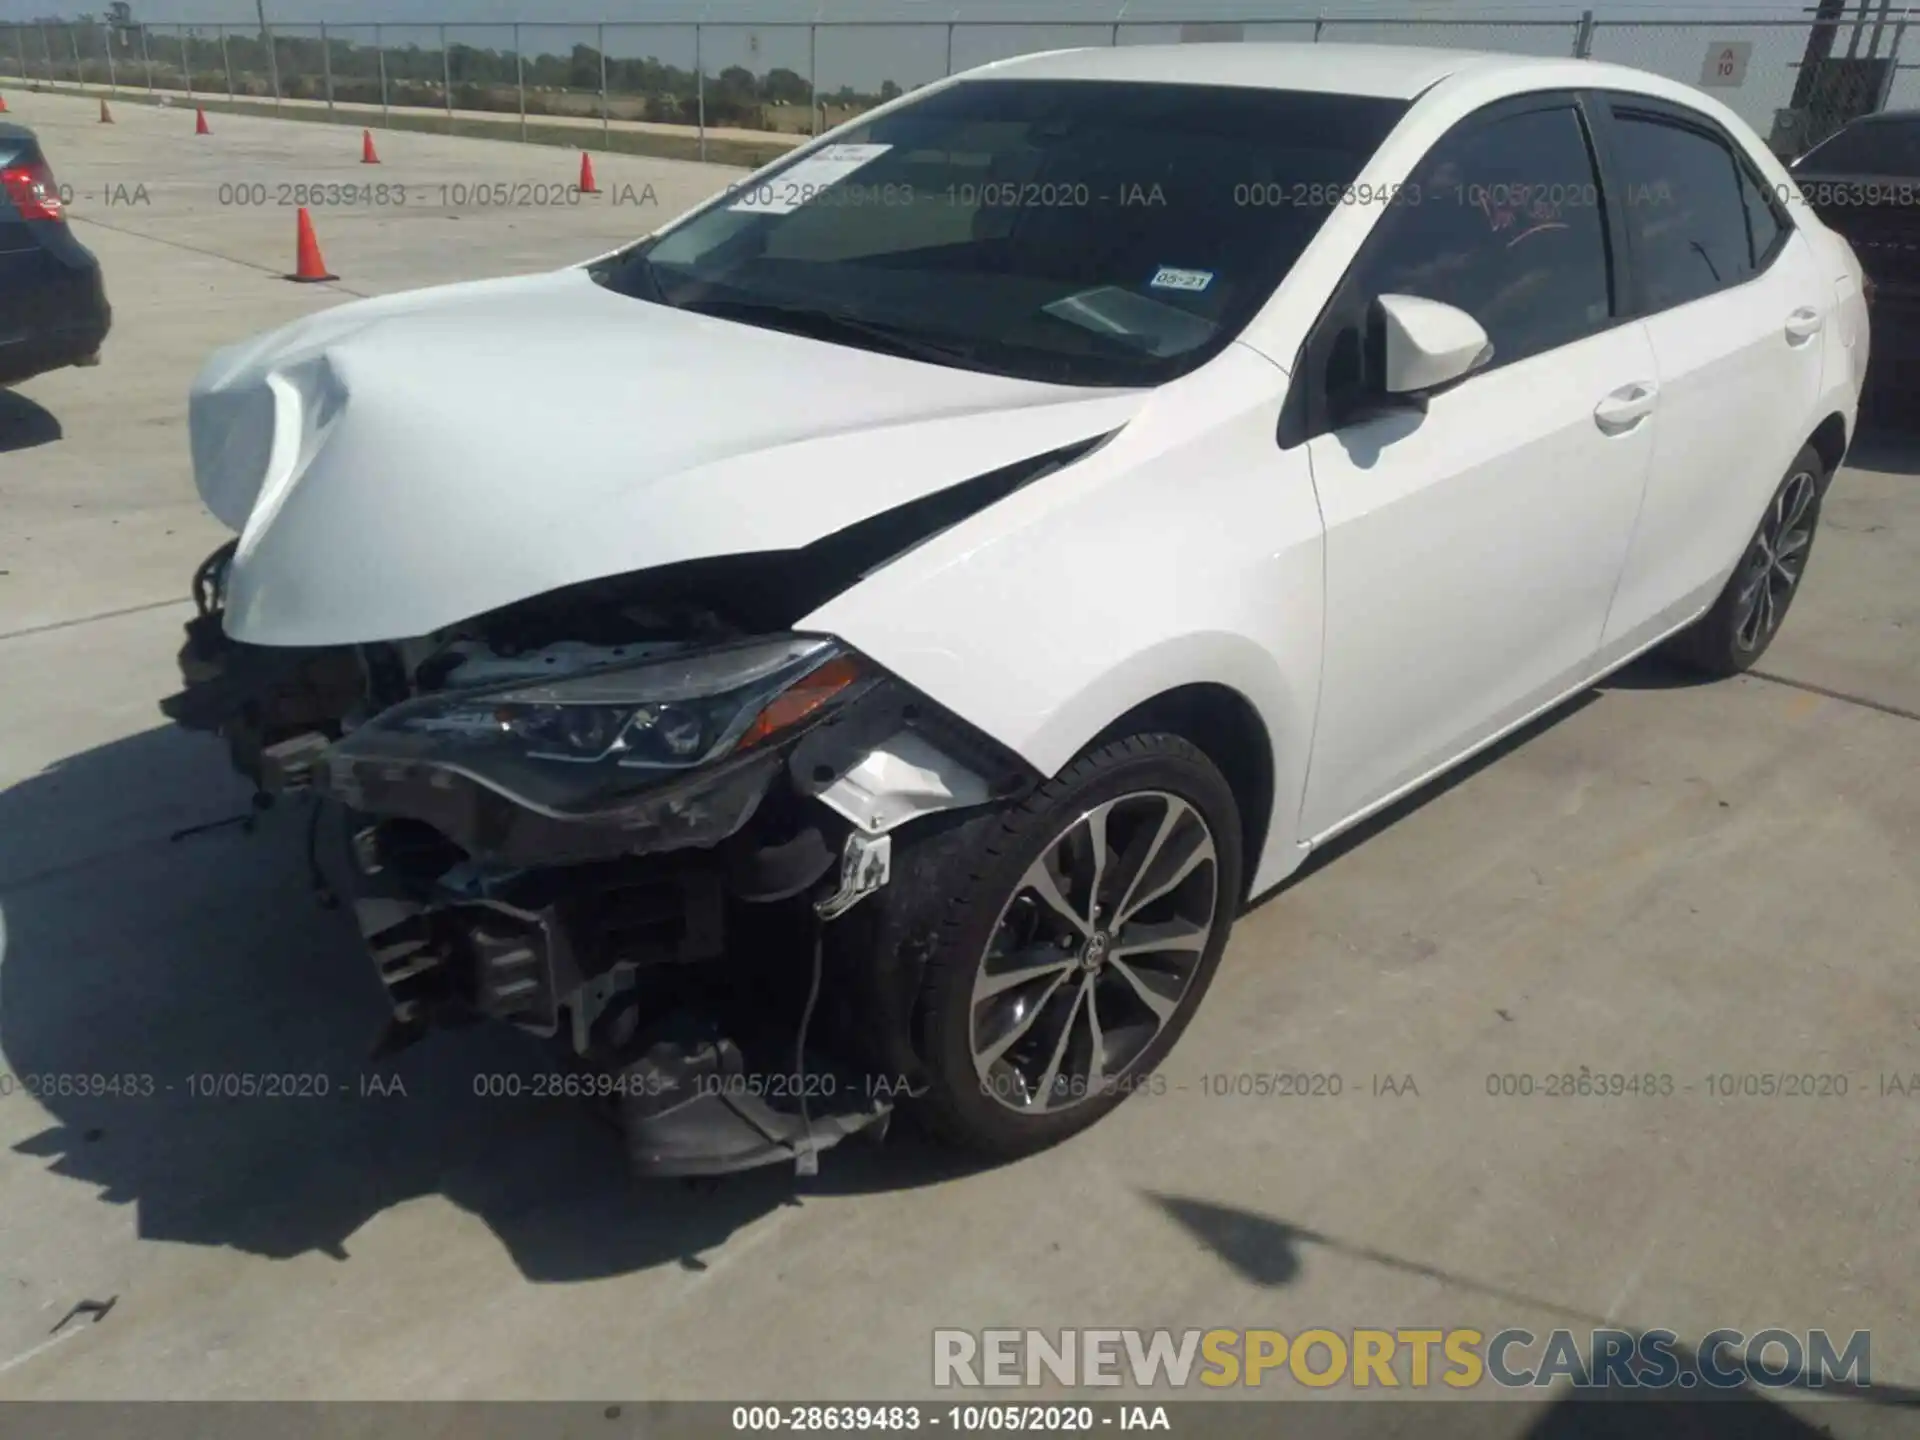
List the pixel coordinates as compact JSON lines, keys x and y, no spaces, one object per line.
{"x":667,"y":715}
{"x":683,"y":746}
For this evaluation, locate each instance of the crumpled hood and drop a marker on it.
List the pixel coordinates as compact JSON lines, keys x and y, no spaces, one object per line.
{"x":397,"y":465}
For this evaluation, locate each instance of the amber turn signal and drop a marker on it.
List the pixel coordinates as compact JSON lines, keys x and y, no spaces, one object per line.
{"x":801,"y":699}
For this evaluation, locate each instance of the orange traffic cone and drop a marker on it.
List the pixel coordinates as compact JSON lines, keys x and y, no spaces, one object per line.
{"x":3,"y":104}
{"x":200,"y":123}
{"x":308,"y":266}
{"x":587,"y":187}
{"x":106,"y":115}
{"x":367,"y":157}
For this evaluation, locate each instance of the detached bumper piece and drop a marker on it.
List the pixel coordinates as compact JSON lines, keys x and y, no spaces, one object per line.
{"x":696,"y":1102}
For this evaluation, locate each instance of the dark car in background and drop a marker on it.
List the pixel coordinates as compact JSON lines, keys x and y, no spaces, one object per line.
{"x":1864,"y":181}
{"x":53,"y":305}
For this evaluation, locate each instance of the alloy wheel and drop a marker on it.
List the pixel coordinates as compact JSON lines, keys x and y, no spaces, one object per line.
{"x":1775,"y":562}
{"x":1094,"y":952}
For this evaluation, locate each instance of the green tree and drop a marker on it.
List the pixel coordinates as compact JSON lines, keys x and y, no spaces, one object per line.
{"x":736,"y":83}
{"x":583,"y":73}
{"x":784,"y":87}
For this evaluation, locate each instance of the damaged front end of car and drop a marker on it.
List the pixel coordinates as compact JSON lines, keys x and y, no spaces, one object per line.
{"x":630,"y":816}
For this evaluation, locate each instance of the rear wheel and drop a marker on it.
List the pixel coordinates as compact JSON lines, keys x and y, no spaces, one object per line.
{"x":1073,"y":955}
{"x":1736,"y":632}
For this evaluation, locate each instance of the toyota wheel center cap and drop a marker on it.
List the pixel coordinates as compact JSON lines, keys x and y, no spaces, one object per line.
{"x":1096,"y":952}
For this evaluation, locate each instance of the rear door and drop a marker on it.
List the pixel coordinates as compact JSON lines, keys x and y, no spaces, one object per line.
{"x":1735,"y":300}
{"x":1865,"y":184}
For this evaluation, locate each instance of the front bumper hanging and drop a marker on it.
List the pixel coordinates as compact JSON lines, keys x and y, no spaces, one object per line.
{"x":618,"y":934}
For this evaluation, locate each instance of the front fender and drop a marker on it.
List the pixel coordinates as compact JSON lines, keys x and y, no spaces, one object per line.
{"x":1187,"y":550}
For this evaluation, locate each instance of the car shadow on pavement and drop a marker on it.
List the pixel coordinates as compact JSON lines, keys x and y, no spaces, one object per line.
{"x":25,"y":424}
{"x":145,"y":982}
{"x":1654,"y":671}
{"x":1890,"y":448}
{"x":1270,"y":1252}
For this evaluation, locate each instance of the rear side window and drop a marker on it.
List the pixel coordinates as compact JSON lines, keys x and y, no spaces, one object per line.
{"x":1869,"y":147}
{"x":1681,"y":195}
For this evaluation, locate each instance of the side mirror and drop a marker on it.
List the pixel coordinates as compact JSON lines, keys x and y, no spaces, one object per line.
{"x":1425,"y":346}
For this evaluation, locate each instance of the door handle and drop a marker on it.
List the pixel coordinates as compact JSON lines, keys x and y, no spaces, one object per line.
{"x":1626,"y":407}
{"x":1803,"y":324}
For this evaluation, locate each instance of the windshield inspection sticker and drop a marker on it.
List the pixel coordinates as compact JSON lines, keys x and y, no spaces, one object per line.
{"x":1168,"y":278}
{"x":786,"y":192}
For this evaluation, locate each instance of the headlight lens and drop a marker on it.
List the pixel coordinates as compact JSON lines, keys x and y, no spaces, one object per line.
{"x":610,"y":731}
{"x":667,"y":715}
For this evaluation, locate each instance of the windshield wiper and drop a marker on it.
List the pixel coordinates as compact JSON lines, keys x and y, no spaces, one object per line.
{"x":836,"y":325}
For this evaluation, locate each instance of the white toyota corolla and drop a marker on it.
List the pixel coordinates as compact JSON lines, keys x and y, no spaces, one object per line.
{"x":867,"y":640}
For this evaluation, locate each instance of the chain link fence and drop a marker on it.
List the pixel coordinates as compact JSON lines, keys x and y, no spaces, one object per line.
{"x":744,"y":92}
{"x":1795,"y":82}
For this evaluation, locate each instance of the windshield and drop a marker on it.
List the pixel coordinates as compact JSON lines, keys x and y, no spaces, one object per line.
{"x":1081,"y":232}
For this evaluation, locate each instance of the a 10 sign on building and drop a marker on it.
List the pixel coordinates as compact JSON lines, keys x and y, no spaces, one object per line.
{"x":1726,"y":64}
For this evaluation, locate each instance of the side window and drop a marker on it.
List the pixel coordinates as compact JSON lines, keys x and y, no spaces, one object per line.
{"x":1502,"y":219}
{"x":1764,"y":225}
{"x":1680,"y":192}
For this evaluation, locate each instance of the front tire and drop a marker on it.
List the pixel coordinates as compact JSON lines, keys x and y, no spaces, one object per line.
{"x":1077,"y":943}
{"x":1742,"y":622}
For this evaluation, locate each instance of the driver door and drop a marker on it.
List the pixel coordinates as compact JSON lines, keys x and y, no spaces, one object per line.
{"x":1472,"y":548}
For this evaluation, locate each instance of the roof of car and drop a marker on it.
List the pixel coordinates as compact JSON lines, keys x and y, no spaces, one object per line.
{"x":1397,"y":72}
{"x":14,"y":132}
